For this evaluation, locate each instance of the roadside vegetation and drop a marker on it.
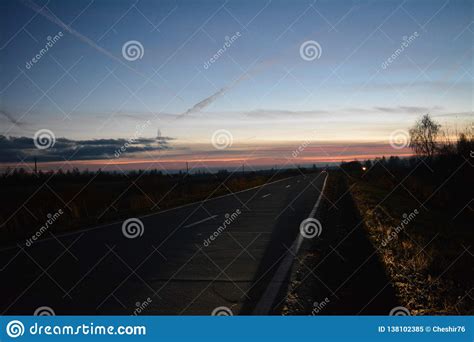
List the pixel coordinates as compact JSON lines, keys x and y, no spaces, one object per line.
{"x":418,"y":214}
{"x":85,"y":198}
{"x":339,"y":273}
{"x":396,"y":232}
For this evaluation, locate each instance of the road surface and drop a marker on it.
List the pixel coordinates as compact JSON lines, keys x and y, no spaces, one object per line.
{"x":173,"y":266}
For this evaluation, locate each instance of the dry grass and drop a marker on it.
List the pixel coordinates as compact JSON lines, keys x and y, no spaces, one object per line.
{"x":90,"y":199}
{"x":426,"y":261}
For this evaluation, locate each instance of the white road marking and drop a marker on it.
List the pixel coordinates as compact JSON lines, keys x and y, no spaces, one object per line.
{"x":287,"y":186}
{"x":117,"y":223}
{"x":265,"y":304}
{"x":266,"y":195}
{"x":201,"y":221}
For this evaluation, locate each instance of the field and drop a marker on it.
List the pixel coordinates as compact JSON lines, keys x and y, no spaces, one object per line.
{"x":418,"y":217}
{"x":71,"y":200}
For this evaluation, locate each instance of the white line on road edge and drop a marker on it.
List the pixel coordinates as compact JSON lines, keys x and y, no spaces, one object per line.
{"x":112,"y":224}
{"x":218,"y":197}
{"x":266,"y":195}
{"x":201,"y":221}
{"x":264,"y":305}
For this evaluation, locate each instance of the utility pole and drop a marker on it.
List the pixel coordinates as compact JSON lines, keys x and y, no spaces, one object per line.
{"x":187,"y":168}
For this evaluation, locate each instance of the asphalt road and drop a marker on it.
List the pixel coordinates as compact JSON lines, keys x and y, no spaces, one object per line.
{"x":169,"y":268}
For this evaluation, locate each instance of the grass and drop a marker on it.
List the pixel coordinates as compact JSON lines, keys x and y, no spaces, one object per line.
{"x":428,"y":261}
{"x":96,"y":198}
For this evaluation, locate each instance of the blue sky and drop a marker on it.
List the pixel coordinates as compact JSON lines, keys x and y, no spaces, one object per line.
{"x":345,"y":95}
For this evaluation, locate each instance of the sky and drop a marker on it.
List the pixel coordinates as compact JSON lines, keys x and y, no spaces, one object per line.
{"x":225,"y":83}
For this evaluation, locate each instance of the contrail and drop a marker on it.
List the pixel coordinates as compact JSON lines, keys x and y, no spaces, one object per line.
{"x":59,"y":22}
{"x":195,"y":108}
{"x":10,"y":118}
{"x":48,"y":15}
{"x":210,"y":99}
{"x":207,"y":101}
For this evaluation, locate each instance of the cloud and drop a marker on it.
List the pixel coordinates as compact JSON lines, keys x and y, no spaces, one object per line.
{"x":278,"y":113}
{"x":390,"y":110}
{"x":433,"y":86}
{"x":274,"y":113}
{"x":14,"y":149}
{"x":210,"y":99}
{"x":467,"y":115}
{"x":408,"y":109}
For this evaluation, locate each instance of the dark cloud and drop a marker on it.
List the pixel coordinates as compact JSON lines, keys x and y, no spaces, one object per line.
{"x":14,"y":149}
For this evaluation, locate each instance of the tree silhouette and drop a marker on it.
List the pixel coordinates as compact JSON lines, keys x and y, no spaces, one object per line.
{"x":423,"y":136}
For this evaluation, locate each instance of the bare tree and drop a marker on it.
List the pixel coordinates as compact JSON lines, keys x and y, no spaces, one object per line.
{"x":423,"y":136}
